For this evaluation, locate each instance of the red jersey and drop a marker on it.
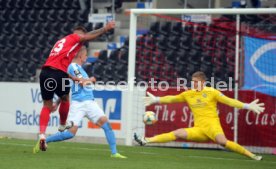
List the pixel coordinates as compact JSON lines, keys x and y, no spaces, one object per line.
{"x":63,"y":52}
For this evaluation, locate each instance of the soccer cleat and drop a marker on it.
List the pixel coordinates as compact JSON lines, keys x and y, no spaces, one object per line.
{"x":117,"y":155}
{"x":42,"y":144}
{"x":36,"y":147}
{"x":68,"y":125}
{"x":140,"y":140}
{"x":257,"y":158}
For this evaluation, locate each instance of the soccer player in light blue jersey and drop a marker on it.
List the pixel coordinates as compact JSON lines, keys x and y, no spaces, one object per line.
{"x":83,"y":105}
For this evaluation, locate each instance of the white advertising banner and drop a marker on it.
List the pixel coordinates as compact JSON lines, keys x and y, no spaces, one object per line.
{"x":21,"y":104}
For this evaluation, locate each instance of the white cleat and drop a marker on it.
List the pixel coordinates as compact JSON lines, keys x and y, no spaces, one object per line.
{"x":140,"y":140}
{"x":68,"y":125}
{"x":257,"y":158}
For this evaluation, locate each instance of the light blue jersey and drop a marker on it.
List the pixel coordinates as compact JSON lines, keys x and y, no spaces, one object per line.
{"x":80,"y":93}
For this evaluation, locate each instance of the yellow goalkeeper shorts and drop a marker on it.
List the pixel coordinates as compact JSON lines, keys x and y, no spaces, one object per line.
{"x":204,"y":133}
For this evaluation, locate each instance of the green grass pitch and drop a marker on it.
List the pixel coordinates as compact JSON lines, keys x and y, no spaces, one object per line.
{"x":17,"y":154}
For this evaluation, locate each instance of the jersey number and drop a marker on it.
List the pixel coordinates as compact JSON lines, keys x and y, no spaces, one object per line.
{"x":59,"y":45}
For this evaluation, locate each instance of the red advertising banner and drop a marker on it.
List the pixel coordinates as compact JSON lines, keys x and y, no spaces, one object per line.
{"x":253,"y":130}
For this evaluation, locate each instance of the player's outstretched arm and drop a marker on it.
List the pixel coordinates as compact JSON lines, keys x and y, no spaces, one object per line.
{"x":253,"y":106}
{"x":94,"y":34}
{"x":151,"y":99}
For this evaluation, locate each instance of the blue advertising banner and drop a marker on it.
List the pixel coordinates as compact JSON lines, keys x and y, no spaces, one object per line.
{"x":260,"y":65}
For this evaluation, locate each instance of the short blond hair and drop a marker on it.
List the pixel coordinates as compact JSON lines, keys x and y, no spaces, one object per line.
{"x":200,"y":75}
{"x":82,"y":49}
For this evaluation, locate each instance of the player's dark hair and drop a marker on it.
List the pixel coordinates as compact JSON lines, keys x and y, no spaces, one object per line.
{"x":200,"y":75}
{"x":80,"y":28}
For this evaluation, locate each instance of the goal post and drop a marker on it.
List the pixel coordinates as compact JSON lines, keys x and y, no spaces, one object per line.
{"x":150,"y":13}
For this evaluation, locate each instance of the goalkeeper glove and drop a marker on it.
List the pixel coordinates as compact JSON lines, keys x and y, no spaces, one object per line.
{"x":255,"y":106}
{"x":150,"y":99}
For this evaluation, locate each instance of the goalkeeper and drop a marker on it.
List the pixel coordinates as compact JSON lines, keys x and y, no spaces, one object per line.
{"x":203,"y":103}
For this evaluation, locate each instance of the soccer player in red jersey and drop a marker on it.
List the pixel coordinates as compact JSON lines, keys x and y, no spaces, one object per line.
{"x":54,"y":77}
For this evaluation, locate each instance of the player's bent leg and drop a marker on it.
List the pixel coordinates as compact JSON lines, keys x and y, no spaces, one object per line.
{"x":221,"y":139}
{"x":60,"y":136}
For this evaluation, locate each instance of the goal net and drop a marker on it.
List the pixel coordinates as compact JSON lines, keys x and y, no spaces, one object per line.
{"x":236,"y":52}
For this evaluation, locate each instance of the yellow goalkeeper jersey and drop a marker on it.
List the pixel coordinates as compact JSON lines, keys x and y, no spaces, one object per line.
{"x":203,"y":104}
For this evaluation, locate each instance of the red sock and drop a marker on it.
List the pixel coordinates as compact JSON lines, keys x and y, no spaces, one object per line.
{"x":44,"y":119}
{"x":63,"y":111}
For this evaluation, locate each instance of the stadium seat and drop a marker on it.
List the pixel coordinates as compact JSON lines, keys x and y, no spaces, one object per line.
{"x":21,"y":41}
{"x":31,"y":69}
{"x":42,"y":15}
{"x":4,"y":54}
{"x":181,"y":69}
{"x":3,"y":40}
{"x":98,"y":70}
{"x":33,"y":15}
{"x":10,"y":69}
{"x":7,"y":27}
{"x":88,"y":26}
{"x":165,"y":28}
{"x":52,"y":15}
{"x":4,"y":15}
{"x":154,"y":28}
{"x":25,"y":56}
{"x":174,"y":42}
{"x":150,"y":42}
{"x":176,"y":29}
{"x":29,"y":4}
{"x":12,"y":41}
{"x":113,"y":57}
{"x":189,"y":28}
{"x":14,"y":15}
{"x":10,"y":4}
{"x":82,"y":16}
{"x":56,"y":4}
{"x":75,"y":4}
{"x":185,"y":41}
{"x":162,"y":42}
{"x":121,"y":74}
{"x":102,"y":57}
{"x":123,"y":59}
{"x":2,"y":4}
{"x":170,"y":57}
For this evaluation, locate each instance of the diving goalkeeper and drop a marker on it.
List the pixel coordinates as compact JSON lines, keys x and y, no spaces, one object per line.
{"x":203,"y":103}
